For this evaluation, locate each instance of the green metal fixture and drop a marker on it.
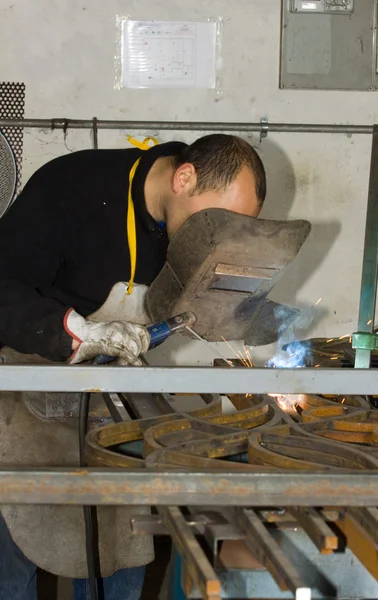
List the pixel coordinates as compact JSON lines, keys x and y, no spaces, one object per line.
{"x":365,"y":341}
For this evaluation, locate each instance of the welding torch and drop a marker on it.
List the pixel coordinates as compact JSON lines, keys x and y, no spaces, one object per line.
{"x":159,"y":332}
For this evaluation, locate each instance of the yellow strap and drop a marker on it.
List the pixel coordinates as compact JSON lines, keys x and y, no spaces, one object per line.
{"x":131,"y":228}
{"x":131,"y":225}
{"x":142,"y":145}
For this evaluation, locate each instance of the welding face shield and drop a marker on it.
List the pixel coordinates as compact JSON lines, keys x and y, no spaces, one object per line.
{"x":222,"y":265}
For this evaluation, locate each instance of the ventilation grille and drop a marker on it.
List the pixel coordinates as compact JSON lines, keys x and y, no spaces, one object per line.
{"x":12,"y":106}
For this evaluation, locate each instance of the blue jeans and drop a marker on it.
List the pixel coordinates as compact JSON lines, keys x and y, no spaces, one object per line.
{"x":18,"y":576}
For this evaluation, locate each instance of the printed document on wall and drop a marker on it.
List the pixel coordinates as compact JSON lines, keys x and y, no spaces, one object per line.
{"x":168,"y":54}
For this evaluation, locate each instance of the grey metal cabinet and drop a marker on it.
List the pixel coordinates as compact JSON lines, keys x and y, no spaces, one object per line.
{"x":329,"y":44}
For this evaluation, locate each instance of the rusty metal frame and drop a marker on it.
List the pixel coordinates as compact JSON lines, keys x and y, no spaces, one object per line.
{"x":166,"y":487}
{"x":287,"y":460}
{"x":178,"y":486}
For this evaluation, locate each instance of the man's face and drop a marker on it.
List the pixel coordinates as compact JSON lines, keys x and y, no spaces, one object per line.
{"x":240,"y":197}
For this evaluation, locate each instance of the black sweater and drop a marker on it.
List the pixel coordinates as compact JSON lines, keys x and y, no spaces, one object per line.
{"x":64,"y":244}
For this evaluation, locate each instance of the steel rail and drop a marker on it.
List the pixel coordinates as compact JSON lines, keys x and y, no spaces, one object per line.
{"x":264,"y":127}
{"x":192,"y":380}
{"x":195,"y":488}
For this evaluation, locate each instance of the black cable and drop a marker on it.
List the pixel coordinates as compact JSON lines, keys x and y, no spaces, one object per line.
{"x":96,"y":589}
{"x":83,"y":425}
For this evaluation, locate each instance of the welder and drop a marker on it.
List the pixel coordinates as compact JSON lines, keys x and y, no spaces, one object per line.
{"x":84,"y":222}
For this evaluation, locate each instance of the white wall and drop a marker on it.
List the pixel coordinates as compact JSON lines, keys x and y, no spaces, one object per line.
{"x":63,"y":50}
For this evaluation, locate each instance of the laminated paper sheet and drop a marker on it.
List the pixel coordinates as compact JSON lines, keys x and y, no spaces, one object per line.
{"x":163,"y":54}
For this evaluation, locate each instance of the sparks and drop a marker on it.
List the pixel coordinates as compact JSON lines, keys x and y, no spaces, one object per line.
{"x":368,"y":323}
{"x":330,"y":340}
{"x":316,"y":303}
{"x":231,"y":348}
{"x":317,"y":365}
{"x":334,"y":357}
{"x":344,"y":336}
{"x":209,"y":346}
{"x":248,"y":355}
{"x":243,"y":360}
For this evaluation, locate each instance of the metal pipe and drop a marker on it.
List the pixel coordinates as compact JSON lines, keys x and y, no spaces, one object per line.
{"x":117,"y":487}
{"x":192,"y":380}
{"x":95,"y":133}
{"x":61,"y":123}
{"x":368,"y":292}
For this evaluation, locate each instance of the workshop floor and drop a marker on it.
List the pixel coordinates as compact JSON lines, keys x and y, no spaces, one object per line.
{"x":52,"y":588}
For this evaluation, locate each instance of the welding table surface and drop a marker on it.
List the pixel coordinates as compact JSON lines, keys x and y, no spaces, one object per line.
{"x":66,"y":378}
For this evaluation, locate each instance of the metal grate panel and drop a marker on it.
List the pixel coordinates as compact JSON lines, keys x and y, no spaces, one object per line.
{"x":8,"y":175}
{"x":12,"y":106}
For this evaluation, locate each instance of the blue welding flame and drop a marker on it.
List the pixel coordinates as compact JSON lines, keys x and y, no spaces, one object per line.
{"x":293,"y":356}
{"x":291,"y":353}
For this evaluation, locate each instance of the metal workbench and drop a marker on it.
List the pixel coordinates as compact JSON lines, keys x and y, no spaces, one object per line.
{"x":168,"y":488}
{"x":70,"y":486}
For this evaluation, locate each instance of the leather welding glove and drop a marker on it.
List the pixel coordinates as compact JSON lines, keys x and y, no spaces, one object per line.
{"x":120,"y":339}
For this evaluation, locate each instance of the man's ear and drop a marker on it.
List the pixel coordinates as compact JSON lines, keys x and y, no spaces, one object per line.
{"x":184,"y":178}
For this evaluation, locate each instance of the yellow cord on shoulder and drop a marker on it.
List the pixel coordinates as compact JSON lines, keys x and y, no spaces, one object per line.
{"x":131,"y":224}
{"x":142,"y":145}
{"x":131,"y":228}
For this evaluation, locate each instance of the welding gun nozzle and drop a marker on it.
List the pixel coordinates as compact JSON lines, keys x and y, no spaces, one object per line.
{"x":186,"y":319}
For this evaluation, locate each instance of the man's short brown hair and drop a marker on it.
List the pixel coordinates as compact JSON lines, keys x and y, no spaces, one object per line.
{"x":218,"y":158}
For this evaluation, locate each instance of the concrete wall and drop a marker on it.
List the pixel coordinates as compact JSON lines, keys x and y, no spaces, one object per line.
{"x":63,"y":50}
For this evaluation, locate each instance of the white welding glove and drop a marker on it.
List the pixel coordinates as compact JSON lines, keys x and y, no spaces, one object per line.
{"x":120,"y":339}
